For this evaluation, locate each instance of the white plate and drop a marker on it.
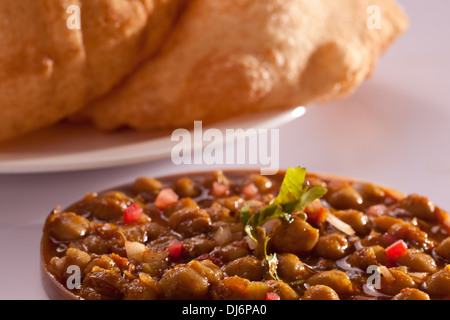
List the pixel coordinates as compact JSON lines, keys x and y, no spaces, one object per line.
{"x":69,"y":147}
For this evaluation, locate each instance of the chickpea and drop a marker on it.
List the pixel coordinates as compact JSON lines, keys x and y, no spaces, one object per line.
{"x":320,"y":292}
{"x":155,"y":230}
{"x":92,"y":244}
{"x":383,"y":223}
{"x":380,"y":254}
{"x":418,"y":206}
{"x":443,"y":249}
{"x":58,"y":266}
{"x":367,"y":256}
{"x":208,"y":269}
{"x":395,"y":282}
{"x":343,"y":196}
{"x":282,"y":289}
{"x":111,"y":205}
{"x":220,"y":177}
{"x":411,"y":294}
{"x":143,"y":290}
{"x":183,"y":203}
{"x":77,"y":257}
{"x":246,"y":267}
{"x":187,"y":280}
{"x":232,"y":251}
{"x":295,"y":237}
{"x":102,"y":244}
{"x":369,"y":191}
{"x":331,"y":246}
{"x":195,"y":246}
{"x":374,"y":238}
{"x":234,"y":203}
{"x":236,"y":288}
{"x":182,"y":282}
{"x":418,"y":261}
{"x":217,"y":212}
{"x":356,"y":219}
{"x":147,"y":185}
{"x":67,"y":226}
{"x":101,"y":284}
{"x":155,"y":269}
{"x":190,"y":222}
{"x":185,"y":187}
{"x":408,"y":232}
{"x":104,"y":262}
{"x":290,"y":268}
{"x":134,"y":232}
{"x":337,"y":280}
{"x":261,"y":182}
{"x":438,"y":284}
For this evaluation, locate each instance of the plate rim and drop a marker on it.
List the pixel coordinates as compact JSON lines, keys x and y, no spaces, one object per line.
{"x":95,"y":159}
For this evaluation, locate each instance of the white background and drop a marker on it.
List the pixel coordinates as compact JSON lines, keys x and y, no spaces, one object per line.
{"x":394,"y":131}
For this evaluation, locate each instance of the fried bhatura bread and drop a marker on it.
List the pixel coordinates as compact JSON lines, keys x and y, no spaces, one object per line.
{"x":49,"y":71}
{"x":226,"y":58}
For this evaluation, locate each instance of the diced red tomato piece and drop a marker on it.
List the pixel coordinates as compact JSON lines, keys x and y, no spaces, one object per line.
{"x":250,"y":190}
{"x":165,"y":198}
{"x":175,"y":249}
{"x":387,"y":239}
{"x":318,"y":216}
{"x":219,"y":189}
{"x":212,"y":258}
{"x":377,"y":210}
{"x":396,"y":250}
{"x":133,"y":213}
{"x":120,"y":261}
{"x":316,"y":213}
{"x":272,"y":296}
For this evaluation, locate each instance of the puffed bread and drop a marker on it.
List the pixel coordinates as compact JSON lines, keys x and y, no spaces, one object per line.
{"x":48,"y":71}
{"x":226,"y":58}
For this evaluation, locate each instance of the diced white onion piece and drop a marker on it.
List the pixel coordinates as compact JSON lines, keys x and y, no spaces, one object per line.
{"x":371,"y":291}
{"x":269,"y":225}
{"x":340,"y":225}
{"x":138,"y":252}
{"x":223,"y":235}
{"x":135,"y":250}
{"x":59,"y":264}
{"x":252,"y":245}
{"x":418,"y":277}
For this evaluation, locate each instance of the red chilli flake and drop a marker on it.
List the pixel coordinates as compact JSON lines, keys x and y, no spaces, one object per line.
{"x":175,"y":248}
{"x":133,"y":213}
{"x":272,"y":296}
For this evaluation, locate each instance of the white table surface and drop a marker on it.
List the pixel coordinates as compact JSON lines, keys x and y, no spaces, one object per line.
{"x":394,"y":130}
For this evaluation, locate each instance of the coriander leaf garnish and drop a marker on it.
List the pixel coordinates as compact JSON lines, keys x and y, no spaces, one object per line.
{"x":292,"y":199}
{"x":272,"y":260}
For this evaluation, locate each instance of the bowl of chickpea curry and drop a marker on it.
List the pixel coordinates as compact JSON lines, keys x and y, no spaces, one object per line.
{"x":238,"y":235}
